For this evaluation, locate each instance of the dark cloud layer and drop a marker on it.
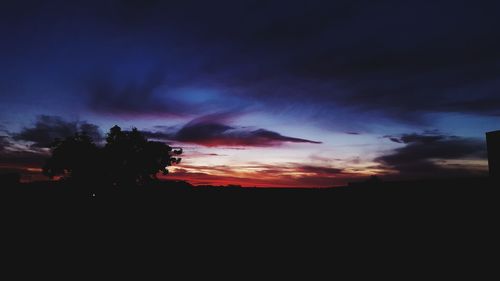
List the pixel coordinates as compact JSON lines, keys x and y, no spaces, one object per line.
{"x":211,"y":131}
{"x":48,"y":128}
{"x":381,"y":57}
{"x":213,"y":134}
{"x":421,"y":151}
{"x":401,"y":60}
{"x":319,"y":170}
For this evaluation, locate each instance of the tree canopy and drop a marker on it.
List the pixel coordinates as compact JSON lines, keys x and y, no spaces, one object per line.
{"x":126,"y":159}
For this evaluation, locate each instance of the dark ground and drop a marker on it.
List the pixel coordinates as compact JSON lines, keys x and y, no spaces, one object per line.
{"x":404,"y":229}
{"x":414,"y":196}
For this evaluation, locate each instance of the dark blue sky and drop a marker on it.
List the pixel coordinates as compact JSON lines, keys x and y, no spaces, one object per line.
{"x":270,"y":78}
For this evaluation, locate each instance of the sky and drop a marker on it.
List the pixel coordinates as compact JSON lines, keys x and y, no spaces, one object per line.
{"x":257,"y":93}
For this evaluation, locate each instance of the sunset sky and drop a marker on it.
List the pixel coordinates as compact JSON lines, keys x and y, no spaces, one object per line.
{"x":258,"y":93}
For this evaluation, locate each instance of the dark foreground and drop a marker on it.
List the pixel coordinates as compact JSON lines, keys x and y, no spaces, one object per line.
{"x":463,"y":194}
{"x":366,"y":210}
{"x":433,"y":222}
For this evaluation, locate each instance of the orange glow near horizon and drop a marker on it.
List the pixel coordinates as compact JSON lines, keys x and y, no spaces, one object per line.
{"x":259,"y":176}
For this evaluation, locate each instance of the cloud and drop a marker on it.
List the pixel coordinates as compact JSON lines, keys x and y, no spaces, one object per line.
{"x":357,"y":56}
{"x":379,"y":59}
{"x":211,"y":131}
{"x":144,"y":95}
{"x":333,"y":58}
{"x":48,"y":128}
{"x":214,"y":134}
{"x":4,"y":143}
{"x":426,"y":155}
{"x":16,"y":159}
{"x":319,"y":170}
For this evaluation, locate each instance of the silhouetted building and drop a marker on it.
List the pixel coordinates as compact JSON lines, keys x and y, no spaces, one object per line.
{"x":493,"y":143}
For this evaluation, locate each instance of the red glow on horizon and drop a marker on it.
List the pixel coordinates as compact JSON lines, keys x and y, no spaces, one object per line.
{"x":276,"y":177}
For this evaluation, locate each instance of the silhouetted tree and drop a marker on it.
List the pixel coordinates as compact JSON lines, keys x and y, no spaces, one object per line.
{"x":76,"y":157}
{"x":135,"y":160}
{"x":127,"y":159}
